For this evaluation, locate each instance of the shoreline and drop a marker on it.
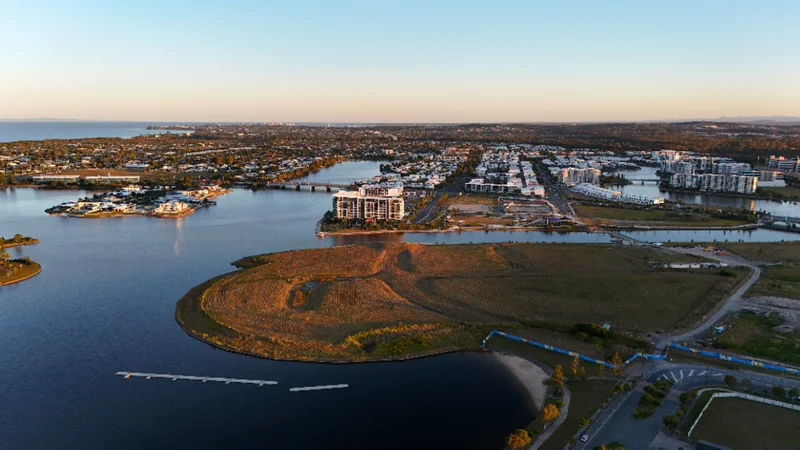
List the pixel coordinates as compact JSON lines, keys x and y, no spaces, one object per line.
{"x":26,"y":277}
{"x":529,"y":375}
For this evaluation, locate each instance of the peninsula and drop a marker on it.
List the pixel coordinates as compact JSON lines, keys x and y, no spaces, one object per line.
{"x":16,"y":270}
{"x":398,"y":301}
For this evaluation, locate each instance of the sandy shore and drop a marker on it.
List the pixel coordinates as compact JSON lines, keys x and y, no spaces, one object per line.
{"x":529,"y":374}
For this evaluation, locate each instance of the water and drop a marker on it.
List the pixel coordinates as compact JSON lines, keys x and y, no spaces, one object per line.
{"x":105,"y":302}
{"x":757,"y":235}
{"x":36,"y":131}
{"x":651,"y":189}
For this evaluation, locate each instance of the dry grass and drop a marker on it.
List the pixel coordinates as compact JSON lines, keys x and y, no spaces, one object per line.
{"x":772,"y":252}
{"x":398,"y":300}
{"x":745,"y":424}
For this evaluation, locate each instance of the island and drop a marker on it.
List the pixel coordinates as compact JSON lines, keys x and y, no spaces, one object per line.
{"x":397,"y":301}
{"x":157,"y":201}
{"x":20,"y":269}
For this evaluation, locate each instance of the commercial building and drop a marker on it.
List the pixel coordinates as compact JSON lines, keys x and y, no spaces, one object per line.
{"x":572,"y":176}
{"x":370,"y":202}
{"x":42,"y":179}
{"x":111,"y":179}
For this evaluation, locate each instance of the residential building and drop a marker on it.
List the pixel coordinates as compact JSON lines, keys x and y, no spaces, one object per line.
{"x":370,"y":202}
{"x":591,"y":190}
{"x":741,"y":184}
{"x":41,"y":179}
{"x":783,"y":164}
{"x":572,"y":176}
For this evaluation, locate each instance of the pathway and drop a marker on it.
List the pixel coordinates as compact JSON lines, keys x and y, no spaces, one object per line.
{"x":557,"y":423}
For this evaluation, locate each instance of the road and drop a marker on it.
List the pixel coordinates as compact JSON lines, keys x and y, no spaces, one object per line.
{"x":616,"y":423}
{"x":432,"y":210}
{"x":731,"y":304}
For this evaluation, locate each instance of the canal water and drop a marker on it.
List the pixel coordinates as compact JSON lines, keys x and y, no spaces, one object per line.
{"x":105,"y":302}
{"x":650,"y":189}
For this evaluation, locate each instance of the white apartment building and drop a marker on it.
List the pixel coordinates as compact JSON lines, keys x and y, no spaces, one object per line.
{"x":111,"y":179}
{"x":741,"y":184}
{"x":786,"y":165}
{"x":731,"y":168}
{"x":591,"y":190}
{"x":370,"y":202}
{"x":571,"y":176}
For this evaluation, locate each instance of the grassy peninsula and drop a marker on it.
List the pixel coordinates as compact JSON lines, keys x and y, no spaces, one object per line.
{"x":395,"y":301}
{"x":16,"y":270}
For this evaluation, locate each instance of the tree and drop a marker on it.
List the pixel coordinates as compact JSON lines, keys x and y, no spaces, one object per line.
{"x":558,"y":377}
{"x":550,"y":413}
{"x":601,"y":370}
{"x":619,"y":365}
{"x":518,"y":440}
{"x":779,"y":391}
{"x":794,"y":393}
{"x":578,"y":371}
{"x":671,"y":421}
{"x":730,"y":380}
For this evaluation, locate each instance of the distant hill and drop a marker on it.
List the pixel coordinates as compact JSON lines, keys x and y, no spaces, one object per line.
{"x":761,"y":120}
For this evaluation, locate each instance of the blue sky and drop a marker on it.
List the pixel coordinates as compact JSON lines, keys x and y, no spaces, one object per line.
{"x":412,"y":61}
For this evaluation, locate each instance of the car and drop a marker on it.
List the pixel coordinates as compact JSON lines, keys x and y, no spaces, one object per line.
{"x":585,"y":438}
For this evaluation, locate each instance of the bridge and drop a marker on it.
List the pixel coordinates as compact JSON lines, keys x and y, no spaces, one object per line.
{"x":309,"y":186}
{"x":785,"y":219}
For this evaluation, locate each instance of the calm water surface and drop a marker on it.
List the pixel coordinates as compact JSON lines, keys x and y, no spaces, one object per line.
{"x":105,"y":302}
{"x":37,"y":131}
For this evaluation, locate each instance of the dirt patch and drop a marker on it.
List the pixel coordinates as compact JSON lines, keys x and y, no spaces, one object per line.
{"x":786,"y":308}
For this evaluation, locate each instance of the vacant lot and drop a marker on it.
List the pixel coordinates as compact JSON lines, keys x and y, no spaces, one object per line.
{"x":744,"y":424}
{"x":771,"y":252}
{"x":399,"y":300}
{"x":776,"y":281}
{"x":763,"y":337}
{"x":652,"y":217}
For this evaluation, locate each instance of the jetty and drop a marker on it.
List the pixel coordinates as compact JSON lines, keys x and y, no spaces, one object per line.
{"x":167,"y":376}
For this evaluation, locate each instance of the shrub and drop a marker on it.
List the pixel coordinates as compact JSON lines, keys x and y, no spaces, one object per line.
{"x":591,"y":329}
{"x":582,"y":336}
{"x":671,"y":422}
{"x":518,"y":440}
{"x":779,"y":391}
{"x":730,"y":380}
{"x":594,"y":340}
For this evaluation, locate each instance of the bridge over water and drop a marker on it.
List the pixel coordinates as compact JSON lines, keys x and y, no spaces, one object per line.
{"x":312,"y":186}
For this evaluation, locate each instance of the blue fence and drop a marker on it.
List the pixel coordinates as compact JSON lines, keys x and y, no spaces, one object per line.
{"x":569,"y":353}
{"x":719,"y":356}
{"x":733,"y":359}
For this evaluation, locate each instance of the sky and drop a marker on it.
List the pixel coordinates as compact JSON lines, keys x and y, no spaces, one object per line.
{"x":392,"y":61}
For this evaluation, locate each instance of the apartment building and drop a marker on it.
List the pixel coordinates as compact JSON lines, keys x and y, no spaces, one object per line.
{"x":741,"y":184}
{"x":731,"y":168}
{"x":42,"y":179}
{"x":786,"y":165}
{"x":591,"y":190}
{"x":571,"y":176}
{"x":370,"y":202}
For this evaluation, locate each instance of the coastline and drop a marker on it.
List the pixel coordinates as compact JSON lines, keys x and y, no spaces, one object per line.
{"x":21,"y":279}
{"x":529,"y":375}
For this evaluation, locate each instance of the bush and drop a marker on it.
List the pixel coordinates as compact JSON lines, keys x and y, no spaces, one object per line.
{"x":730,"y":380}
{"x":594,"y":340}
{"x":582,"y":336}
{"x":591,"y":329}
{"x":672,"y":422}
{"x":687,"y":397}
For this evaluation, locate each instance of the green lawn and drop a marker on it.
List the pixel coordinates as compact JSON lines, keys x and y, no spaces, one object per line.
{"x":745,"y":424}
{"x":788,"y":193}
{"x":778,"y":281}
{"x":587,"y":397}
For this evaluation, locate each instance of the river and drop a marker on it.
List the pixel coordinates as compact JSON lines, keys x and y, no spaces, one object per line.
{"x":650,"y":189}
{"x":105,"y":302}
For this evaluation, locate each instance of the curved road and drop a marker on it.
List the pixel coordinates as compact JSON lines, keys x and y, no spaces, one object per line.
{"x":731,"y":304}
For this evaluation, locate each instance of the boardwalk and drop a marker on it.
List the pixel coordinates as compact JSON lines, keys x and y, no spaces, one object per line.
{"x":166,"y":376}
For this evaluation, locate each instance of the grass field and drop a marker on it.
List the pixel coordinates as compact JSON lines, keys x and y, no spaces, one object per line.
{"x":777,"y":281}
{"x":744,"y":424}
{"x":788,"y":193}
{"x":468,"y":199}
{"x":587,"y":397}
{"x":653,"y":216}
{"x":387,"y":301}
{"x":755,"y":335}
